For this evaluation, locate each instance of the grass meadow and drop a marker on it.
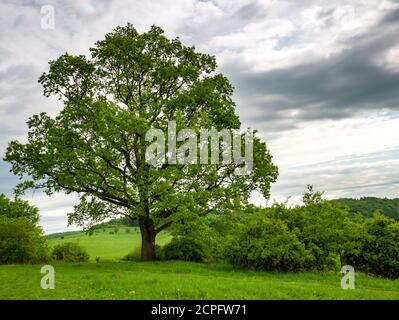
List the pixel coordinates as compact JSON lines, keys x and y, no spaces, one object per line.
{"x":111,"y":278}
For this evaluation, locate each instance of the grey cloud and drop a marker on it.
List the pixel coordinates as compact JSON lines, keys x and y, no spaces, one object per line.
{"x":250,"y":11}
{"x":391,"y":17}
{"x":334,"y":88}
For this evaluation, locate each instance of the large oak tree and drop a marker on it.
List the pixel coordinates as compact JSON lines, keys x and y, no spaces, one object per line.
{"x":96,"y":146}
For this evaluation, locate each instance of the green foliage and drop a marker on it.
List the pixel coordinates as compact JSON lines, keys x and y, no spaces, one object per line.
{"x":323,"y":229}
{"x":320,"y":235}
{"x":21,"y":242}
{"x":117,"y":222}
{"x":368,"y":205}
{"x":378,"y":249}
{"x":268,"y":244}
{"x":70,"y":252}
{"x":96,"y":145}
{"x":311,"y":196}
{"x":18,"y":209}
{"x":305,"y":237}
{"x":186,"y":249}
{"x":205,"y":231}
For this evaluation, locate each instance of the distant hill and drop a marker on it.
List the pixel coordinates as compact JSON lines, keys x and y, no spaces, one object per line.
{"x":118,"y":222}
{"x":367,"y":205}
{"x":114,"y":223}
{"x":62,"y":234}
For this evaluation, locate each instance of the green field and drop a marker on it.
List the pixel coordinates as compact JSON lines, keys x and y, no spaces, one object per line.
{"x":173,"y":280}
{"x":180,"y":280}
{"x":105,"y":245}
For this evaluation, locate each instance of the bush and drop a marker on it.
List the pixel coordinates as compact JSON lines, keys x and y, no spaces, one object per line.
{"x":17,"y":208}
{"x":267,"y":244}
{"x":186,"y":249}
{"x":206,"y":233}
{"x":70,"y":252}
{"x":21,"y":242}
{"x":135,"y":255}
{"x":323,"y":227}
{"x":378,"y":252}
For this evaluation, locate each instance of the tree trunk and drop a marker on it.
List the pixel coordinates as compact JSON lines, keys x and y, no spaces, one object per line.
{"x":147,"y":239}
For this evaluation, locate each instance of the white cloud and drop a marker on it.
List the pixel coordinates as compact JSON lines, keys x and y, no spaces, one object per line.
{"x":53,"y":210}
{"x":348,"y":158}
{"x":315,"y":142}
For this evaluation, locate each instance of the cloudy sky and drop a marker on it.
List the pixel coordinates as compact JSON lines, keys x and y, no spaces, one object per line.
{"x":318,"y":79}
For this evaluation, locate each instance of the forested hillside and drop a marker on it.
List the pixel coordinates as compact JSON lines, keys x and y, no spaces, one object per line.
{"x":367,"y":205}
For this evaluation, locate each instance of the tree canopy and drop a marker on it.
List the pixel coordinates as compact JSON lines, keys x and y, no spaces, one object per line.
{"x":368,"y":205}
{"x":18,"y":208}
{"x":96,"y":145}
